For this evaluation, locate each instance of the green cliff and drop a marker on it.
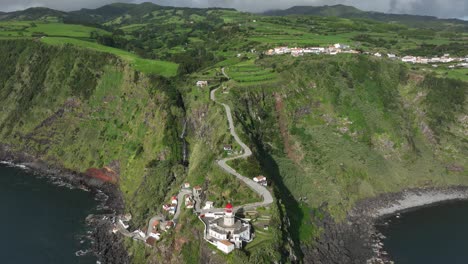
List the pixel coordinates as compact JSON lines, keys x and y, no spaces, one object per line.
{"x":331,"y":131}
{"x":80,"y":109}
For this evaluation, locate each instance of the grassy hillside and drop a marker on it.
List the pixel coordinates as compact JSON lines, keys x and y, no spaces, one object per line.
{"x":81,"y":109}
{"x":164,"y":68}
{"x":335,"y":130}
{"x":35,"y":13}
{"x":115,"y":86}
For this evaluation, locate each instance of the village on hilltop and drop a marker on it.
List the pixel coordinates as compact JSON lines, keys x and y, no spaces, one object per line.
{"x":341,"y":48}
{"x":222,"y":227}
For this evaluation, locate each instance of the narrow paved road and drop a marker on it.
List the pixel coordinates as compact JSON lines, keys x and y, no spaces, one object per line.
{"x":180,"y":201}
{"x":224,"y":73}
{"x":247,"y":152}
{"x":262,"y":191}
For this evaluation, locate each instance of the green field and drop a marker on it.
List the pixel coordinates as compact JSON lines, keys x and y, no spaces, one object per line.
{"x":163,"y":68}
{"x":247,"y":73}
{"x":461,"y":74}
{"x":23,"y":28}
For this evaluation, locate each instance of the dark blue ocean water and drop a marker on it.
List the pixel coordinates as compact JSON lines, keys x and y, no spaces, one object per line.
{"x":431,"y":235}
{"x":41,"y":223}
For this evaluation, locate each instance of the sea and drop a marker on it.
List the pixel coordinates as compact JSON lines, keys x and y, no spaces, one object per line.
{"x":42,"y":221}
{"x":431,"y":235}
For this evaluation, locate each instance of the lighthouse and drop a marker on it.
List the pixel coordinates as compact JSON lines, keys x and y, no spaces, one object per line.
{"x":228,"y":215}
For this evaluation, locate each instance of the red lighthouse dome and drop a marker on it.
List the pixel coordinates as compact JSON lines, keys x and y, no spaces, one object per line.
{"x":229,"y":206}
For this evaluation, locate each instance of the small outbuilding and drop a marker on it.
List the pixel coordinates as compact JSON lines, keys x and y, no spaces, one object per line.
{"x":225,"y":246}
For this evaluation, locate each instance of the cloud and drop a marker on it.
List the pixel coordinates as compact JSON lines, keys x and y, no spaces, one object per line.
{"x":66,"y":5}
{"x":440,"y":8}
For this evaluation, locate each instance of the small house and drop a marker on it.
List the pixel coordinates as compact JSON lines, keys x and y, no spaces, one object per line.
{"x":174,"y":200}
{"x":166,"y":207}
{"x":189,"y":205}
{"x":202,"y":83}
{"x":208,"y":205}
{"x":409,"y":59}
{"x":197,"y":190}
{"x":227,"y":147}
{"x":186,"y":185}
{"x":156,"y":235}
{"x":262,"y":180}
{"x":172,"y":210}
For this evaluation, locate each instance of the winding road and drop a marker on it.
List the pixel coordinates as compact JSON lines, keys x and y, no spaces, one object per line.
{"x":247,"y":152}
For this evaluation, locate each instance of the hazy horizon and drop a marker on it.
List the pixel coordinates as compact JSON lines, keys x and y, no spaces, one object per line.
{"x":438,"y":8}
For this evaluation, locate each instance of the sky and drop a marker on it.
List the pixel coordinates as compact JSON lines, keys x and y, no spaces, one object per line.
{"x":440,"y":8}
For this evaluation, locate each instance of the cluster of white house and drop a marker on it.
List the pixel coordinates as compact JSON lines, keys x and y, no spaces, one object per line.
{"x":296,"y":52}
{"x":340,"y":48}
{"x":443,"y":59}
{"x":222,"y":228}
{"x":155,"y":234}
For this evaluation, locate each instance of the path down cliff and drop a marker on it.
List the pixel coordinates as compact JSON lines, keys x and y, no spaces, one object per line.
{"x":262,"y":191}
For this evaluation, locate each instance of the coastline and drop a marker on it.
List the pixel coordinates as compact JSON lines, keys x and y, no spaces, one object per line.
{"x":388,"y":204}
{"x":356,"y":239}
{"x":107,"y":247}
{"x":394,"y":204}
{"x":353,"y":240}
{"x":416,"y":199}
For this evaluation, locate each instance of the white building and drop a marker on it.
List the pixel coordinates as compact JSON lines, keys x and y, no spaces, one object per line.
{"x":208,"y":205}
{"x":202,"y":83}
{"x":188,"y":201}
{"x":227,"y":227}
{"x":262,"y":180}
{"x":409,"y":59}
{"x":225,"y":246}
{"x":174,"y":200}
{"x":156,"y":235}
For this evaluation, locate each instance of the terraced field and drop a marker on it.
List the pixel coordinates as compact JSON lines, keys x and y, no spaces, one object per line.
{"x":247,"y":73}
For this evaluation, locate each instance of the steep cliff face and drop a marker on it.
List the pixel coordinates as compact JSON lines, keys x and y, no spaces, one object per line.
{"x":90,"y":112}
{"x":334,"y":131}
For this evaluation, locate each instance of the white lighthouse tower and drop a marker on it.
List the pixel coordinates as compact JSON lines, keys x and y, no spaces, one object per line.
{"x":228,"y":215}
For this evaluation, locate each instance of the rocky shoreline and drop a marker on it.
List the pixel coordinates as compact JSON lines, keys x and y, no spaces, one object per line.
{"x":356,"y":239}
{"x":107,"y":247}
